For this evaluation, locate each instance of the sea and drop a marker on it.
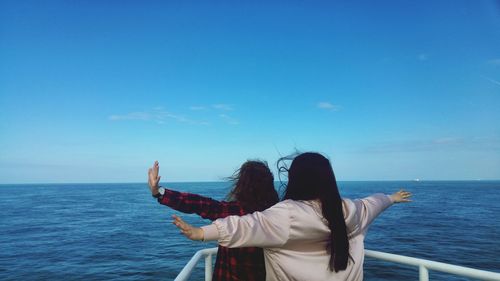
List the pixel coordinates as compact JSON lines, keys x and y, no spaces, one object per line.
{"x":119,"y":232}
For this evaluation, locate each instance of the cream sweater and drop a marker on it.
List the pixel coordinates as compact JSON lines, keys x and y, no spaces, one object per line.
{"x":294,"y":235}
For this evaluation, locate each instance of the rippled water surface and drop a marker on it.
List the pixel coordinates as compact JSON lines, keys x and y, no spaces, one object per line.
{"x":119,"y":232}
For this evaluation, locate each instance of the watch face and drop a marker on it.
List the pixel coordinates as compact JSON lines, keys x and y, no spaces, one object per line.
{"x":161,"y":190}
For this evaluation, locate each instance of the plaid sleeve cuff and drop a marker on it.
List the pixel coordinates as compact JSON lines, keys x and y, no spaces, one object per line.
{"x":210,"y":232}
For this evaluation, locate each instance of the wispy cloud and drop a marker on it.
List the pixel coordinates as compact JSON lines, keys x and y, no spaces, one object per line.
{"x":228,"y":119}
{"x":223,"y":106}
{"x":158,"y":115}
{"x":496,"y":82}
{"x":197,"y":107}
{"x":144,"y":116}
{"x":423,"y":57}
{"x":161,"y":116}
{"x":217,"y":106}
{"x":494,"y":61}
{"x":327,"y":106}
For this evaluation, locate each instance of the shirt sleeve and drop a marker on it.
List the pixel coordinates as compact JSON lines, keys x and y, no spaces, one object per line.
{"x":205,"y":207}
{"x":369,"y":208}
{"x":269,"y":228}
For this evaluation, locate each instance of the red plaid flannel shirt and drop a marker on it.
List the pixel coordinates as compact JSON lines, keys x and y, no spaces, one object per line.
{"x":231,"y":264}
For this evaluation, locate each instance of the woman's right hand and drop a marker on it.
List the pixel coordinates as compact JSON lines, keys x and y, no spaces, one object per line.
{"x":191,"y":232}
{"x":401,"y":196}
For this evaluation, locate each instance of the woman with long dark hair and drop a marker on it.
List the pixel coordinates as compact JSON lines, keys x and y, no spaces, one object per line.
{"x":253,"y":190}
{"x":313,"y":234}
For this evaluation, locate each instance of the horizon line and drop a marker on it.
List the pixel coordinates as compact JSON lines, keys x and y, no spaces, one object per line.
{"x":219,"y":181}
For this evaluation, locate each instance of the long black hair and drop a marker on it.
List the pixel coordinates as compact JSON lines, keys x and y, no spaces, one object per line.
{"x":253,"y":186}
{"x":311,"y":177}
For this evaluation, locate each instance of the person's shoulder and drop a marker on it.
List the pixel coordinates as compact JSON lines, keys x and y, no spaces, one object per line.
{"x":297,"y":203}
{"x":348,"y":204}
{"x":281,"y":206}
{"x":305,"y":207}
{"x":349,"y":208}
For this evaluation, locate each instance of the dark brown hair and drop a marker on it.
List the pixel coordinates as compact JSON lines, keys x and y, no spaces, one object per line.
{"x":253,"y":186}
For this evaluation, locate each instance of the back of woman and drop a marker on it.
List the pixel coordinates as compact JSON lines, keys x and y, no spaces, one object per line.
{"x":298,"y":250}
{"x":295,"y":237}
{"x":253,"y":190}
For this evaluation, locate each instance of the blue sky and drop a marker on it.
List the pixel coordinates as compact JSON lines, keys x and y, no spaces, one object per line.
{"x":95,"y":91}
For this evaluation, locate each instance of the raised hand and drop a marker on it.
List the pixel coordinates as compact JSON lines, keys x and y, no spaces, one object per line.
{"x":401,"y":196}
{"x":154,"y":178}
{"x":191,"y":232}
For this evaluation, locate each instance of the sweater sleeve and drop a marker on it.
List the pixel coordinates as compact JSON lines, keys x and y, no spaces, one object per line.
{"x":270,"y":228}
{"x":205,"y":207}
{"x":369,"y":208}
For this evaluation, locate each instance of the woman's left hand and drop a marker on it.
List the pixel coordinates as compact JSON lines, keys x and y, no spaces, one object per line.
{"x":154,"y":178}
{"x":401,"y":196}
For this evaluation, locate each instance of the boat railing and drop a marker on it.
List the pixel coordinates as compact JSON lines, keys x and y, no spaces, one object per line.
{"x":423,"y":266}
{"x":188,"y":268}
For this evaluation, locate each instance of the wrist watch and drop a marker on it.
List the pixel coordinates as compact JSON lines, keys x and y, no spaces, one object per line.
{"x":161,"y":192}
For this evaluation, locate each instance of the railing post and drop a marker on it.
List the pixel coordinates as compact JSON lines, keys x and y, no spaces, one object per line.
{"x":423,"y":273}
{"x":208,"y":267}
{"x":423,"y":266}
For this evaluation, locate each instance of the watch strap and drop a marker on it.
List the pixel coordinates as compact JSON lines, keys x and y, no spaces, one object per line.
{"x":161,"y":192}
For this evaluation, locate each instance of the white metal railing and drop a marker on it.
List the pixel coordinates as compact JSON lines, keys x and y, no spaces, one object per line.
{"x":188,"y":268}
{"x":423,"y":266}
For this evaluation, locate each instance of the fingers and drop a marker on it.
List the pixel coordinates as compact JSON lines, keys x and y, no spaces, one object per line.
{"x":182,"y":225}
{"x":404,"y":192}
{"x":191,"y":232}
{"x":405,"y":195}
{"x":156,"y":166}
{"x":153,"y":171}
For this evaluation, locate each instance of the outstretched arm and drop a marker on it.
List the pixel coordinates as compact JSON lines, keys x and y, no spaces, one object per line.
{"x":369,"y":208}
{"x":205,"y":207}
{"x":270,"y":228}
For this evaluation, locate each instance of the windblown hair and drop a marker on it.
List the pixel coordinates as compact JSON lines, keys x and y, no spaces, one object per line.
{"x":253,"y":186}
{"x":311,"y":177}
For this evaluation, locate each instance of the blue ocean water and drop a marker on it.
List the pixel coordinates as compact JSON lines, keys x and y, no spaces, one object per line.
{"x":119,"y":232}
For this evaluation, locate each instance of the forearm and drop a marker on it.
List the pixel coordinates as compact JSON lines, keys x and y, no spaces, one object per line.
{"x":371,"y":207}
{"x":193,"y":203}
{"x":180,"y":201}
{"x":270,"y":228}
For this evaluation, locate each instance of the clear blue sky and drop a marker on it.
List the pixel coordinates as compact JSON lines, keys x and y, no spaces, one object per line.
{"x":95,"y":91}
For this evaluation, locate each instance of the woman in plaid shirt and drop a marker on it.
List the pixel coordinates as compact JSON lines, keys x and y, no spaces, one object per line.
{"x":253,"y":191}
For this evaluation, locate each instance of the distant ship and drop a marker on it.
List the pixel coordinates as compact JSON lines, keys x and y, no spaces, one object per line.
{"x":417,"y":180}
